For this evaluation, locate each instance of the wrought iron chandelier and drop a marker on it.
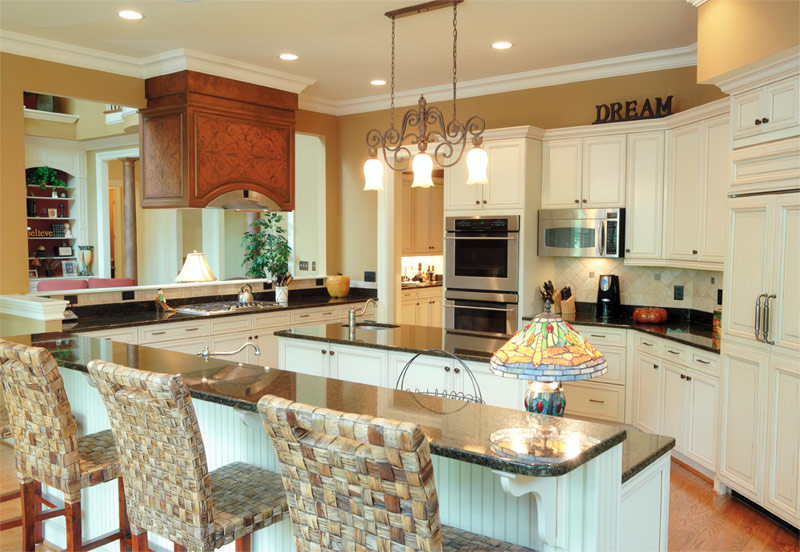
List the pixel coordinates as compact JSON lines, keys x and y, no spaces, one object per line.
{"x":426,"y":126}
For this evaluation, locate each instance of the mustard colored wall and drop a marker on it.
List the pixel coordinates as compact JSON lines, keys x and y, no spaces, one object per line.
{"x":19,"y":74}
{"x":735,"y":33}
{"x":548,"y":107}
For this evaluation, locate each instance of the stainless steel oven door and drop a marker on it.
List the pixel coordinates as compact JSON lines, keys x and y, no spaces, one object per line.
{"x":491,"y":313}
{"x":482,"y":260}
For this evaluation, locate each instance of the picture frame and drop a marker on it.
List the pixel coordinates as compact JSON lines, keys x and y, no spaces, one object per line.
{"x":52,"y":212}
{"x":33,"y":273}
{"x":69,"y":268}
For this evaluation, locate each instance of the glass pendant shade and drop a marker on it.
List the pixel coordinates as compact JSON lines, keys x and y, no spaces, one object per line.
{"x":195,"y":269}
{"x":477,"y":161}
{"x":373,"y":175}
{"x":423,"y":170}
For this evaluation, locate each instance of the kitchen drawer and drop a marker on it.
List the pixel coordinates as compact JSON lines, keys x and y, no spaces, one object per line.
{"x":230,"y":324}
{"x":123,"y":335}
{"x":674,"y":352}
{"x":598,"y":335}
{"x":596,"y":400}
{"x":429,"y":293}
{"x":307,"y":317}
{"x":409,"y":295}
{"x":704,"y":361}
{"x":616,"y":360}
{"x":166,"y":332}
{"x":280,"y":319}
{"x":647,"y":344}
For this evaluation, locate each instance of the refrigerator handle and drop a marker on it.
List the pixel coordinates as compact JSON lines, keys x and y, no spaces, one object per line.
{"x":757,"y":323}
{"x":766,"y":319}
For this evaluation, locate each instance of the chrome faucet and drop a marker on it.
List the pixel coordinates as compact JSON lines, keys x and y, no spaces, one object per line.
{"x":353,"y":314}
{"x":206,"y":352}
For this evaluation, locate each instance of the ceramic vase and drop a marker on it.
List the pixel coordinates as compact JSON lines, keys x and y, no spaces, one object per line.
{"x":282,"y":295}
{"x":85,"y":257}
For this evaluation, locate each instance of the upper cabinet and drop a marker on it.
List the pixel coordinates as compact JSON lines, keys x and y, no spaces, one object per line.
{"x":584,"y":172}
{"x":766,"y":113}
{"x":423,"y":213}
{"x":198,"y":142}
{"x":512,"y":156}
{"x":645,"y":195}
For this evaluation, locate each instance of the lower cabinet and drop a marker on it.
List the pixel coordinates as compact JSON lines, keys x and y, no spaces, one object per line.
{"x":647,"y":392}
{"x":593,"y":399}
{"x":304,"y":357}
{"x":426,"y":374}
{"x":231,"y":342}
{"x":703,"y":433}
{"x":673,"y":415}
{"x":189,"y":345}
{"x":496,"y":390}
{"x":644,"y":509}
{"x":358,"y":364}
{"x":123,"y":335}
{"x":422,"y":307}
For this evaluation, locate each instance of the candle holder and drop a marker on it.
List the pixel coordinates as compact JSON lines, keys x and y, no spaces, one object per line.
{"x":85,"y":257}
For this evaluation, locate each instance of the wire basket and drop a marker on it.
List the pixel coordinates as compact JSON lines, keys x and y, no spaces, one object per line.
{"x":474,"y":397}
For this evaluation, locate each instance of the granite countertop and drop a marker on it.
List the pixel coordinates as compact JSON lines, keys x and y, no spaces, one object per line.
{"x":122,"y":319}
{"x":420,"y":285}
{"x":696,"y":335}
{"x":455,"y":429}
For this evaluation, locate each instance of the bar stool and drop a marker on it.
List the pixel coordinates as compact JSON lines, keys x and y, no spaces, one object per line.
{"x":355,"y":482}
{"x":170,"y":491}
{"x":47,"y":449}
{"x":5,"y":433}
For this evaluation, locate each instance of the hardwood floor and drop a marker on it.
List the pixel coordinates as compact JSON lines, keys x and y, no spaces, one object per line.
{"x":699,"y":519}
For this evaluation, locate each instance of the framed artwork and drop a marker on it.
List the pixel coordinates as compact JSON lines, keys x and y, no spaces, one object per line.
{"x":33,"y":273}
{"x":69,"y":268}
{"x":52,"y":213}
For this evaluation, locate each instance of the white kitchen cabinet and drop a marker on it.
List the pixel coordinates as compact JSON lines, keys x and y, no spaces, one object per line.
{"x":584,"y":172}
{"x":784,"y":324}
{"x":647,"y":394}
{"x":425,"y":374}
{"x":644,"y":509}
{"x":495,"y":390}
{"x":264,"y":327}
{"x":674,"y":403}
{"x":358,"y":364}
{"x":314,"y":316}
{"x":782,"y":485}
{"x":421,"y":307}
{"x":190,"y":345}
{"x":231,"y":342}
{"x":703,"y":416}
{"x":123,"y":335}
{"x":423,"y":219}
{"x":767,"y":113}
{"x":171,"y":332}
{"x":460,"y":196}
{"x":594,"y":399}
{"x":742,"y":383}
{"x":408,"y":312}
{"x":644,"y":195}
{"x":303,"y":357}
{"x":717,"y":174}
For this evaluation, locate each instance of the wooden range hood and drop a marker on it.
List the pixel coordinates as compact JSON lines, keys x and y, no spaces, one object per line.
{"x":203,"y":136}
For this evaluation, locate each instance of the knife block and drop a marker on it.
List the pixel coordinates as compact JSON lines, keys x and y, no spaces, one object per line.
{"x":557,"y":302}
{"x":567,"y":305}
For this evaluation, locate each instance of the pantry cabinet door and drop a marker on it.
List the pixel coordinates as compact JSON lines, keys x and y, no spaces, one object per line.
{"x":703,"y":424}
{"x":603,"y":183}
{"x":561,"y":174}
{"x":675,"y":403}
{"x":784,"y":324}
{"x":647,"y":393}
{"x":718,"y":180}
{"x":684,"y":183}
{"x":644,"y":195}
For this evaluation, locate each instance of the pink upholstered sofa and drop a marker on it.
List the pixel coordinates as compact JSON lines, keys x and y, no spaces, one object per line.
{"x":91,"y":283}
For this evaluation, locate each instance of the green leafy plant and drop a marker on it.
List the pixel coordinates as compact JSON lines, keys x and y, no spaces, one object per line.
{"x":42,"y":177}
{"x":266,"y":247}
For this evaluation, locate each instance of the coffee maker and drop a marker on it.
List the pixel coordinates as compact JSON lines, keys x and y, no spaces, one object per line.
{"x":608,"y":297}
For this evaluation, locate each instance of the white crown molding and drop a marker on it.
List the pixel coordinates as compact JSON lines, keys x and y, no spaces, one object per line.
{"x":773,"y":68}
{"x":67,"y":118}
{"x":37,"y":308}
{"x":509,"y":133}
{"x":318,"y":105}
{"x":600,"y":69}
{"x":151,"y":66}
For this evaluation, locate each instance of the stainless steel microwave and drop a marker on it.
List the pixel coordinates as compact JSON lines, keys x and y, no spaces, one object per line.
{"x":582,"y":233}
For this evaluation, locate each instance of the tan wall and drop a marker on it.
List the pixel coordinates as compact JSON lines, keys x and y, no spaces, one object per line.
{"x":734,"y":33}
{"x":19,"y":74}
{"x":549,"y":107}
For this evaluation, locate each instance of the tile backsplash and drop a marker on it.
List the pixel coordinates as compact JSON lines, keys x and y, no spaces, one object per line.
{"x":639,"y":284}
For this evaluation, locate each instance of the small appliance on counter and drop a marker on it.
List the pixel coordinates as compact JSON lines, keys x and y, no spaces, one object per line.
{"x":608,"y":297}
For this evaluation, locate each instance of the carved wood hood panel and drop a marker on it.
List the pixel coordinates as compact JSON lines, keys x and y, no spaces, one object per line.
{"x":203,"y":136}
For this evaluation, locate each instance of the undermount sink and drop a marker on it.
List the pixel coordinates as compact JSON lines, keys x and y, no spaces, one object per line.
{"x":372,"y":326}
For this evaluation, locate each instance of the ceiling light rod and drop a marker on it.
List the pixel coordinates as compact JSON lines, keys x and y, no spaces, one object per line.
{"x":450,"y":138}
{"x":421,"y":8}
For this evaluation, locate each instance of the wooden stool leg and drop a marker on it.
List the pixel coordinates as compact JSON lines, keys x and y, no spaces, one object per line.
{"x":124,"y":524}
{"x":242,"y":544}
{"x":37,"y":509}
{"x":28,"y":500}
{"x":139,"y":542}
{"x":74,"y":536}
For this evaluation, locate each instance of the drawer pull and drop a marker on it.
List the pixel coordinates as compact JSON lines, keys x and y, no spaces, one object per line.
{"x":597,"y":335}
{"x":597,"y":401}
{"x":673,"y":352}
{"x":304,"y":315}
{"x":192,"y":329}
{"x":646,"y":344}
{"x":701,"y":361}
{"x":159,"y":333}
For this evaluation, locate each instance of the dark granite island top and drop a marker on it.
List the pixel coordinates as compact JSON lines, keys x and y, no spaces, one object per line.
{"x":455,"y":429}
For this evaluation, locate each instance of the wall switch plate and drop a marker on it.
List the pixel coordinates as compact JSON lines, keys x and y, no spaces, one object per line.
{"x":313,"y":265}
{"x":719,"y":297}
{"x":657,"y":276}
{"x":369,"y":276}
{"x":127,"y":295}
{"x":267,"y":286}
{"x":303,"y":265}
{"x":678,"y":293}
{"x":713,"y":280}
{"x":591,"y":275}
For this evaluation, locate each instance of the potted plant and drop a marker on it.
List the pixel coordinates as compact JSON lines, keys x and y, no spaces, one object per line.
{"x":43,"y":177}
{"x":266,"y":252}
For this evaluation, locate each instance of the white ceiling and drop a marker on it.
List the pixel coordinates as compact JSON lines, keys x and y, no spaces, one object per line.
{"x":343,"y":44}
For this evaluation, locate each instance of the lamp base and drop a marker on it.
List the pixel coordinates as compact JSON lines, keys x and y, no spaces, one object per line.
{"x":545,"y":398}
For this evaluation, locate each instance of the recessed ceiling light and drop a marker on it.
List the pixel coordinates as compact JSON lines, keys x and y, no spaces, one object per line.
{"x":502,"y":45}
{"x":377,"y":82}
{"x":129,"y":14}
{"x":288,"y":57}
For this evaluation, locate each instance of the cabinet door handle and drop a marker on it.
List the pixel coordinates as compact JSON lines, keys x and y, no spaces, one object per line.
{"x":646,"y":344}
{"x":457,"y":370}
{"x":766,"y":319}
{"x":484,"y":201}
{"x":446,"y":368}
{"x":255,"y":337}
{"x":323,"y":351}
{"x":757,"y":323}
{"x":765,"y":120}
{"x":584,"y":201}
{"x":627,"y":251}
{"x":683,"y":376}
{"x":331,"y":353}
{"x":701,"y":361}
{"x":688,"y":378}
{"x":758,"y":122}
{"x":673,"y":352}
{"x":694,"y":251}
{"x":477,"y":202}
{"x":576,"y":201}
{"x":655,"y":366}
{"x":597,"y":401}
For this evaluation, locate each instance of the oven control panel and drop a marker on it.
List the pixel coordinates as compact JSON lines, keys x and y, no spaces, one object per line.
{"x":497,"y":225}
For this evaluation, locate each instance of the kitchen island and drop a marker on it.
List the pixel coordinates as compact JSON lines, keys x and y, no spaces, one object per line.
{"x":571,"y":496}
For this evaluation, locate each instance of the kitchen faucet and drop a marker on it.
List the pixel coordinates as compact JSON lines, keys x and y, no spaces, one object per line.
{"x":206,"y":352}
{"x":353,"y":314}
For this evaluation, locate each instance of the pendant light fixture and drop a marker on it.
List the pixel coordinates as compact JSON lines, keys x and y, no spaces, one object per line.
{"x":425,"y":126}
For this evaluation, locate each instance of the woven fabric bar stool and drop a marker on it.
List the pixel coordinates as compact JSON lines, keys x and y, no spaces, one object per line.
{"x":47,"y":449}
{"x":170,"y":491}
{"x":355,"y":482}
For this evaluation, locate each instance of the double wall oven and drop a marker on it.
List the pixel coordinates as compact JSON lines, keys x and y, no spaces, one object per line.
{"x":482,"y":273}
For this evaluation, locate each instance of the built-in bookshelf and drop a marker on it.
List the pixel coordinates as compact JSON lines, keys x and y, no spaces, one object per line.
{"x":52,"y":251}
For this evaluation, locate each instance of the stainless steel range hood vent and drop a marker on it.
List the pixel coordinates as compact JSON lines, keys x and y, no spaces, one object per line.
{"x":244,"y":200}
